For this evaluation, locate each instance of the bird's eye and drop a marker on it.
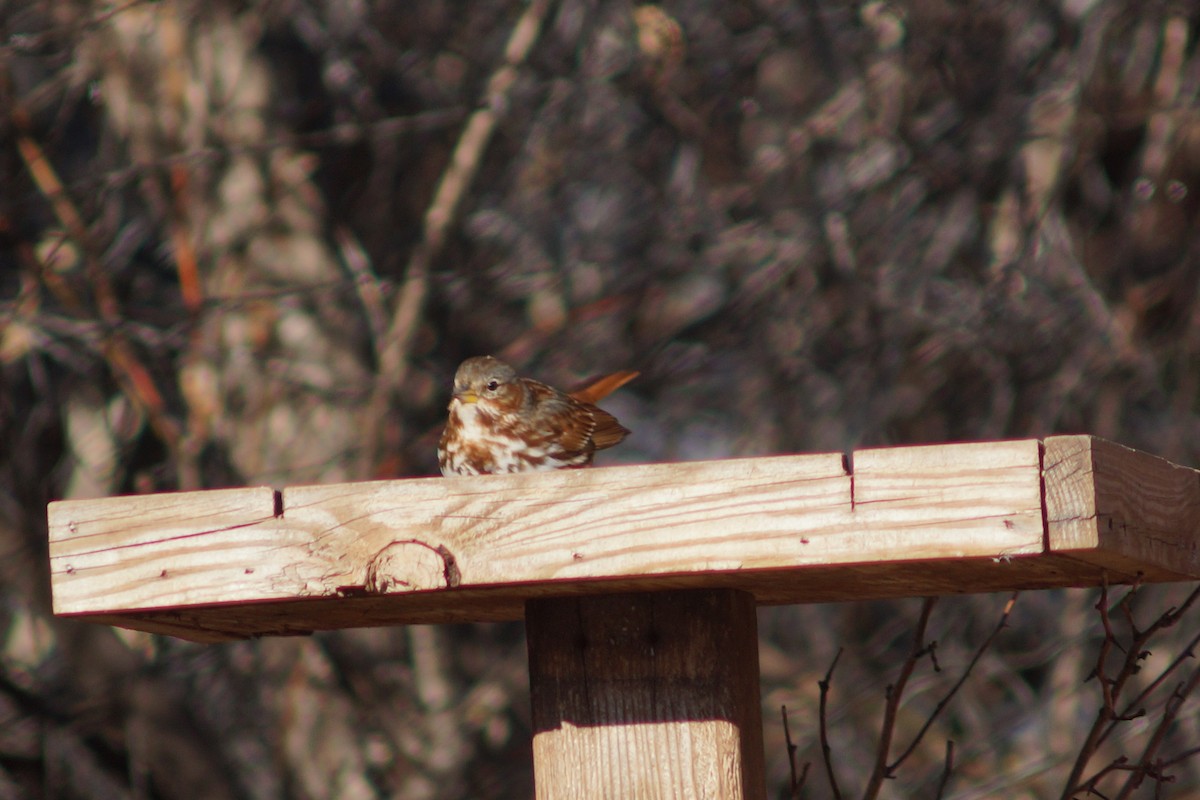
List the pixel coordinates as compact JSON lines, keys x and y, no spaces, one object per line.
{"x":493,"y":385}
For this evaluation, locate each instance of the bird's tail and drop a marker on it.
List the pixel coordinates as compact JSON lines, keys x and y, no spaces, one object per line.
{"x":604,"y":387}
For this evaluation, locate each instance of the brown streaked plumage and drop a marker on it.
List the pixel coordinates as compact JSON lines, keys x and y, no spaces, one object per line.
{"x":500,"y":422}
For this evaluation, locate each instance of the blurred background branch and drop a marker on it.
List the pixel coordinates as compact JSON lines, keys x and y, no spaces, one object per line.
{"x":247,"y":243}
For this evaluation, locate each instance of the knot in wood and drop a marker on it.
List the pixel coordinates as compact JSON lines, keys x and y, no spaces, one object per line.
{"x":411,"y":566}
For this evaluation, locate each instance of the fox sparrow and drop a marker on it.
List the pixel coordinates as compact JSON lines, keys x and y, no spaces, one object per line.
{"x":500,"y":422}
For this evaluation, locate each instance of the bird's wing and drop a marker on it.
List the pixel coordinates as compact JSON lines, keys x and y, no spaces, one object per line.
{"x":578,"y":427}
{"x":608,"y":431}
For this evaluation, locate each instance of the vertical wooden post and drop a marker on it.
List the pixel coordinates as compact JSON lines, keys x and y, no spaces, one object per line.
{"x":646,"y":695}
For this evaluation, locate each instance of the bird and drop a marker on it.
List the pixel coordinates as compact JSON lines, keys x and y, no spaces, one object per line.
{"x":499,"y":422}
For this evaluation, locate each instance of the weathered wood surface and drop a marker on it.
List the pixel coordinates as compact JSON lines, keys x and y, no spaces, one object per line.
{"x":1121,"y":509}
{"x":646,"y":695}
{"x":904,"y":521}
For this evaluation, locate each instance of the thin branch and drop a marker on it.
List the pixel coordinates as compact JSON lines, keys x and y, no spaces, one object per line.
{"x":1150,"y":752}
{"x":1105,"y":713}
{"x":946,"y":770}
{"x":895,"y":692}
{"x":32,"y":42}
{"x":1107,"y":717}
{"x":945,"y":701}
{"x":1179,"y":758}
{"x":1172,"y":615}
{"x":344,"y":133}
{"x":799,"y":784}
{"x":826,"y":750}
{"x":796,"y":782}
{"x":366,"y":282}
{"x":1089,"y":786}
{"x":441,"y":214}
{"x":1133,"y":709}
{"x":186,"y":264}
{"x":132,"y":376}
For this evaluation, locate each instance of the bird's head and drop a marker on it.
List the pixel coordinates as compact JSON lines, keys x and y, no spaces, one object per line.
{"x":488,"y":383}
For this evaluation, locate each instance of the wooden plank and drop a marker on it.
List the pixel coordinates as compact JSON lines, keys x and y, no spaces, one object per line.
{"x":646,"y":695}
{"x":148,"y":551}
{"x":1123,"y":510}
{"x":955,"y":496}
{"x":816,"y":584}
{"x":908,"y":521}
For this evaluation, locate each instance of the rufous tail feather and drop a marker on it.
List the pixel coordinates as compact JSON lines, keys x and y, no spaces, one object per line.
{"x":604,"y":387}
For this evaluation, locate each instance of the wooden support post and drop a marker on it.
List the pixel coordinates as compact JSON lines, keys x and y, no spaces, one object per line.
{"x":646,"y":695}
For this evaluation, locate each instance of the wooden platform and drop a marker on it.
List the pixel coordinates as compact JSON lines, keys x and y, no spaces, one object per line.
{"x":941,"y":519}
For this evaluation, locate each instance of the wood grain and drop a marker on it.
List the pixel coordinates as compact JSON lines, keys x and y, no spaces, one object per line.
{"x":646,"y":695}
{"x":150,"y":551}
{"x":1129,"y":512}
{"x":905,"y":521}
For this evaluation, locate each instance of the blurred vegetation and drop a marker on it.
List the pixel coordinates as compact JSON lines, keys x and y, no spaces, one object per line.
{"x":233,"y":251}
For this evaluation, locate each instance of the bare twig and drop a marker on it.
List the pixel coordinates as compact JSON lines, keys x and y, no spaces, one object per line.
{"x":1150,"y":765}
{"x":1001,"y":624}
{"x":895,"y":692}
{"x":133,"y":377}
{"x":1160,"y":130}
{"x":181,"y":242}
{"x":947,"y":769}
{"x":796,"y":782}
{"x":826,"y":750}
{"x":366,"y":283}
{"x":524,"y":345}
{"x":1105,"y":713}
{"x":791,"y":747}
{"x":30,"y":42}
{"x":799,"y":783}
{"x":343,"y":133}
{"x":1133,"y":709}
{"x":442,"y":211}
{"x":1172,"y":615}
{"x":1107,"y":717}
{"x":1179,"y":758}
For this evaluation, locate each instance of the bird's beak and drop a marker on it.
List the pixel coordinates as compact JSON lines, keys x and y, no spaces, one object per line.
{"x":466,"y":396}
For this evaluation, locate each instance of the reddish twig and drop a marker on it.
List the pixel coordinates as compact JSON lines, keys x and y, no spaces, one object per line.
{"x":133,"y":377}
{"x":1089,"y":787}
{"x":186,"y":265}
